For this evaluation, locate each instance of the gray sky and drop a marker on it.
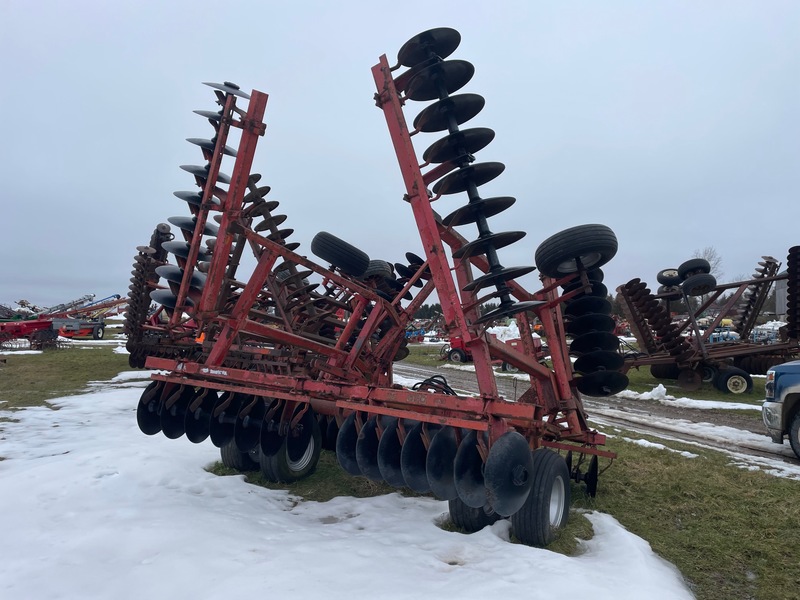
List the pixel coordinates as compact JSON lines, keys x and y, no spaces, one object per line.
{"x":674,"y":123}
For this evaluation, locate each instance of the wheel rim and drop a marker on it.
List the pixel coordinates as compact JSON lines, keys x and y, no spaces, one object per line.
{"x":557,"y":495}
{"x":736,"y":384}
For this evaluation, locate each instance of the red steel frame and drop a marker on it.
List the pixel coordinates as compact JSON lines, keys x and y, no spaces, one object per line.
{"x":550,"y":413}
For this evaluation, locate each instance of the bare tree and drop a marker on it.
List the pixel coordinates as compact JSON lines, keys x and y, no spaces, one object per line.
{"x":710,"y":254}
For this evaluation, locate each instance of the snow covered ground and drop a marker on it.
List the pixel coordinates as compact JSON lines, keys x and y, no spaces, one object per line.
{"x":92,"y":508}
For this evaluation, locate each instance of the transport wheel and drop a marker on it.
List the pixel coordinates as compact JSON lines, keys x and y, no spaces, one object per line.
{"x":697,"y":285}
{"x":339,"y":253}
{"x":457,"y":355}
{"x":734,"y":381}
{"x":378,"y":268}
{"x":592,"y":245}
{"x":669,"y":277}
{"x":98,"y":332}
{"x":471,"y":519}
{"x":794,"y":433}
{"x":708,"y":373}
{"x":693,"y":267}
{"x":233,"y":458}
{"x":547,"y":508}
{"x":297,"y":456}
{"x":508,"y":368}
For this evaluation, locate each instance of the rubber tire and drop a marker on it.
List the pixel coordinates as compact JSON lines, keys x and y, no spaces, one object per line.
{"x":669,"y":292}
{"x":708,"y":373}
{"x":378,"y":268}
{"x":698,"y":285}
{"x":340,"y":254}
{"x":470,"y":519}
{"x":278,"y":468}
{"x":664,"y":371}
{"x":734,"y":381}
{"x":233,"y":458}
{"x":533,"y":524}
{"x":457,"y":355}
{"x":693,"y":266}
{"x":794,"y":433}
{"x":594,"y":244}
{"x":508,"y":368}
{"x":669,"y":277}
{"x":98,"y":332}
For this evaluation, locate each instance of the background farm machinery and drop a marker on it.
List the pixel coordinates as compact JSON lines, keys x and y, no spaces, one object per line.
{"x":275,"y":363}
{"x":693,"y":354}
{"x":42,"y":327}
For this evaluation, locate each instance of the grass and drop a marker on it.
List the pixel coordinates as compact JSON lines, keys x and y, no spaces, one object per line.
{"x":32,"y":380}
{"x":731,"y":532}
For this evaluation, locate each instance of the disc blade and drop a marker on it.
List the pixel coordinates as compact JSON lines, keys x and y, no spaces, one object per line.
{"x":202,"y":173}
{"x":228,"y":88}
{"x":439,"y":115}
{"x":190,"y":223}
{"x":459,"y":181}
{"x":346,"y":445}
{"x":440,"y":41}
{"x":210,"y":145}
{"x":590,"y":342}
{"x":439,"y":464}
{"x":488,"y":242}
{"x":589,"y":323}
{"x":175,"y":275}
{"x":598,"y":360}
{"x":588,"y":304}
{"x":367,"y":450}
{"x":470,"y":213}
{"x":198,"y":419}
{"x":508,"y":473}
{"x":389,"y":449}
{"x":223,"y":418}
{"x":413,"y":457}
{"x":458,"y":144}
{"x":602,"y":383}
{"x":448,"y":76}
{"x":468,"y":472}
{"x":247,"y":429}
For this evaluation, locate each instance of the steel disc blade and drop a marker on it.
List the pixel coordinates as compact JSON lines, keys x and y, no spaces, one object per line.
{"x":228,"y":88}
{"x":458,"y":144}
{"x":497,"y":277}
{"x":439,"y":464}
{"x":488,"y":207}
{"x":508,"y":473}
{"x":271,"y":221}
{"x":173,"y":412}
{"x":346,"y":446}
{"x":596,"y":288}
{"x":367,"y":450}
{"x":210,"y":115}
{"x":148,"y":409}
{"x":468,"y":472}
{"x":589,"y":323}
{"x":190,"y":223}
{"x":210,"y":145}
{"x":198,"y":419}
{"x":440,"y":41}
{"x":175,"y":275}
{"x":389,"y":449}
{"x":598,"y":360}
{"x":331,"y":433}
{"x":202,"y":173}
{"x":270,"y":441}
{"x":590,"y":342}
{"x":488,"y":242}
{"x":413,"y":456}
{"x":588,"y":304}
{"x":439,"y":115}
{"x":414,"y":260}
{"x":448,"y":76}
{"x":194,"y":198}
{"x":167,"y":299}
{"x":602,"y":383}
{"x":223,"y":418}
{"x":459,"y":181}
{"x":506,"y":310}
{"x":247,"y":429}
{"x":182,"y":249}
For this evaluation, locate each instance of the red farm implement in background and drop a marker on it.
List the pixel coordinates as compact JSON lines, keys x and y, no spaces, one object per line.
{"x":82,"y":317}
{"x":293,"y":355}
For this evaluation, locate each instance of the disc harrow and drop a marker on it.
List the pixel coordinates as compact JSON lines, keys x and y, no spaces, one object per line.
{"x":277,"y":357}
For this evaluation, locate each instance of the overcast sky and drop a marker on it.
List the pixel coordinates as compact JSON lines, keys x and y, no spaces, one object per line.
{"x":674,"y":123}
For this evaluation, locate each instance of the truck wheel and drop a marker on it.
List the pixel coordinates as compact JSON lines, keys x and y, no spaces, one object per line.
{"x":470,"y":519}
{"x":693,"y":266}
{"x":794,"y":433}
{"x":457,"y":356}
{"x":668,"y":277}
{"x":546,"y":510}
{"x":697,"y":285}
{"x":734,"y":381}
{"x":339,"y":253}
{"x":593,"y":245}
